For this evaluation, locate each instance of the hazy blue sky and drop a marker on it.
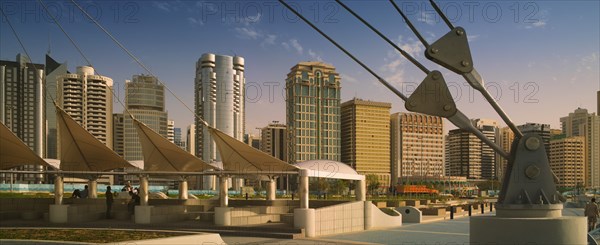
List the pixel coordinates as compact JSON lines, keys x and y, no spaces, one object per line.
{"x":540,"y":59}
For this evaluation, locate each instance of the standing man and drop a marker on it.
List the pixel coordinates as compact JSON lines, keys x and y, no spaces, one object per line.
{"x":592,"y":213}
{"x":109,"y":201}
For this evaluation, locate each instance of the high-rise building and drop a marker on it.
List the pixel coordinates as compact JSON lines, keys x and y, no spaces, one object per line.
{"x":145,"y":101}
{"x":505,"y":139}
{"x":489,"y":128}
{"x":119,"y":142}
{"x":219,"y":100}
{"x":22,"y":108}
{"x":567,"y":160}
{"x":190,"y":139}
{"x":87,"y":98}
{"x":313,"y":112}
{"x":178,"y":140}
{"x":119,"y":134}
{"x":463,"y":154}
{"x":53,"y":71}
{"x":171,"y":130}
{"x":417,"y":146}
{"x":252,"y":140}
{"x":580,"y":123}
{"x":273,"y":140}
{"x":366,"y":137}
{"x":543,"y":130}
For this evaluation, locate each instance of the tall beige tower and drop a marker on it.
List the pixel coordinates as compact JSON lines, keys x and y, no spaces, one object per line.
{"x":87,"y":98}
{"x":417,"y":146}
{"x":582,"y":123}
{"x":505,"y":138}
{"x":463,"y":154}
{"x":366,"y":137}
{"x":313,"y":112}
{"x":568,"y":160}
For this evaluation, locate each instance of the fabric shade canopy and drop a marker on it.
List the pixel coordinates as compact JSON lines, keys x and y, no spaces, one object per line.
{"x":81,"y":151}
{"x":14,"y":152}
{"x":160,"y":154}
{"x":237,"y":156}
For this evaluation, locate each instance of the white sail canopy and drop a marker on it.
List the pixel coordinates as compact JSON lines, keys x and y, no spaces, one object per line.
{"x":237,"y":156}
{"x":160,"y":154}
{"x":81,"y":151}
{"x":14,"y":152}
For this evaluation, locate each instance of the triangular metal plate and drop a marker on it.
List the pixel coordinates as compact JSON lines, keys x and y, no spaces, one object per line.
{"x":432,"y":97}
{"x":452,"y":51}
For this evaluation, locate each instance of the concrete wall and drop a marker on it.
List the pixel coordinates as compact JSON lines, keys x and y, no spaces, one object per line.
{"x":411,"y":214}
{"x":15,"y":208}
{"x":340,"y":218}
{"x":375,"y":218}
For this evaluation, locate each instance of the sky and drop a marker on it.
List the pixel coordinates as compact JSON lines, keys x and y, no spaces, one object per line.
{"x":539,"y":59}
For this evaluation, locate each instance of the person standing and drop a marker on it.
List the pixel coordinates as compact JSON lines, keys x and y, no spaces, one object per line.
{"x":592,"y":213}
{"x":109,"y":201}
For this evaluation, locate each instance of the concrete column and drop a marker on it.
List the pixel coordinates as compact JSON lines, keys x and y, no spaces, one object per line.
{"x":58,"y":190}
{"x":361,"y":190}
{"x":223,"y":198}
{"x":271,"y":189}
{"x":143,"y":190}
{"x":93,"y":188}
{"x":303,"y":190}
{"x":183,"y":188}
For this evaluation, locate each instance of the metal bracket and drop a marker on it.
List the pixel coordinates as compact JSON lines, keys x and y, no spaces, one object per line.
{"x":452,"y":51}
{"x":530,"y":174}
{"x":432,"y":97}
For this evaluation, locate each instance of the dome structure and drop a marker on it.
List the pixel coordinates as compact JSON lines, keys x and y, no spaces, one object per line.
{"x":329,"y":169}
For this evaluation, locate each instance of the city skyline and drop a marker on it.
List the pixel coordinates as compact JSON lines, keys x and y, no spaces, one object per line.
{"x":549,"y":69}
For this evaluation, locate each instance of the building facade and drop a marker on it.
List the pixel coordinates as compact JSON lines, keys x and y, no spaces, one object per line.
{"x":366,"y":138}
{"x":190,"y":141}
{"x":119,"y":134}
{"x":582,"y":123}
{"x":219,"y":100}
{"x":313,"y":112}
{"x":54,"y":70}
{"x":145,"y":101}
{"x":463,"y":154}
{"x":567,"y":160}
{"x":87,"y":98}
{"x":505,"y":139}
{"x":22,"y":109}
{"x":417,"y":146}
{"x":489,"y":128}
{"x":273,"y":140}
{"x":171,"y":131}
{"x":178,"y":140}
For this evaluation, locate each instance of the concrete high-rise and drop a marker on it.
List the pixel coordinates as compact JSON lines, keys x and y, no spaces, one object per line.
{"x":366,"y":137}
{"x":53,"y":71}
{"x":219,"y":100}
{"x":582,"y":123}
{"x":313,"y":112}
{"x":87,"y":98}
{"x":505,"y":139}
{"x":417,"y":146}
{"x":119,"y":133}
{"x":177,"y":139}
{"x":22,"y":108}
{"x":273,"y":140}
{"x":190,"y":141}
{"x":145,"y":101}
{"x":171,"y":130}
{"x":463,"y":154}
{"x":567,"y":160}
{"x":489,"y":128}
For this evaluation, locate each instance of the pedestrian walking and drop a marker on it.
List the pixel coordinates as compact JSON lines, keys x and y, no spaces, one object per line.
{"x":592,"y":213}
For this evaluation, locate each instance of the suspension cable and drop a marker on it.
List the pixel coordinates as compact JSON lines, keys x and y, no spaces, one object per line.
{"x":137,"y":60}
{"x":404,"y":53}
